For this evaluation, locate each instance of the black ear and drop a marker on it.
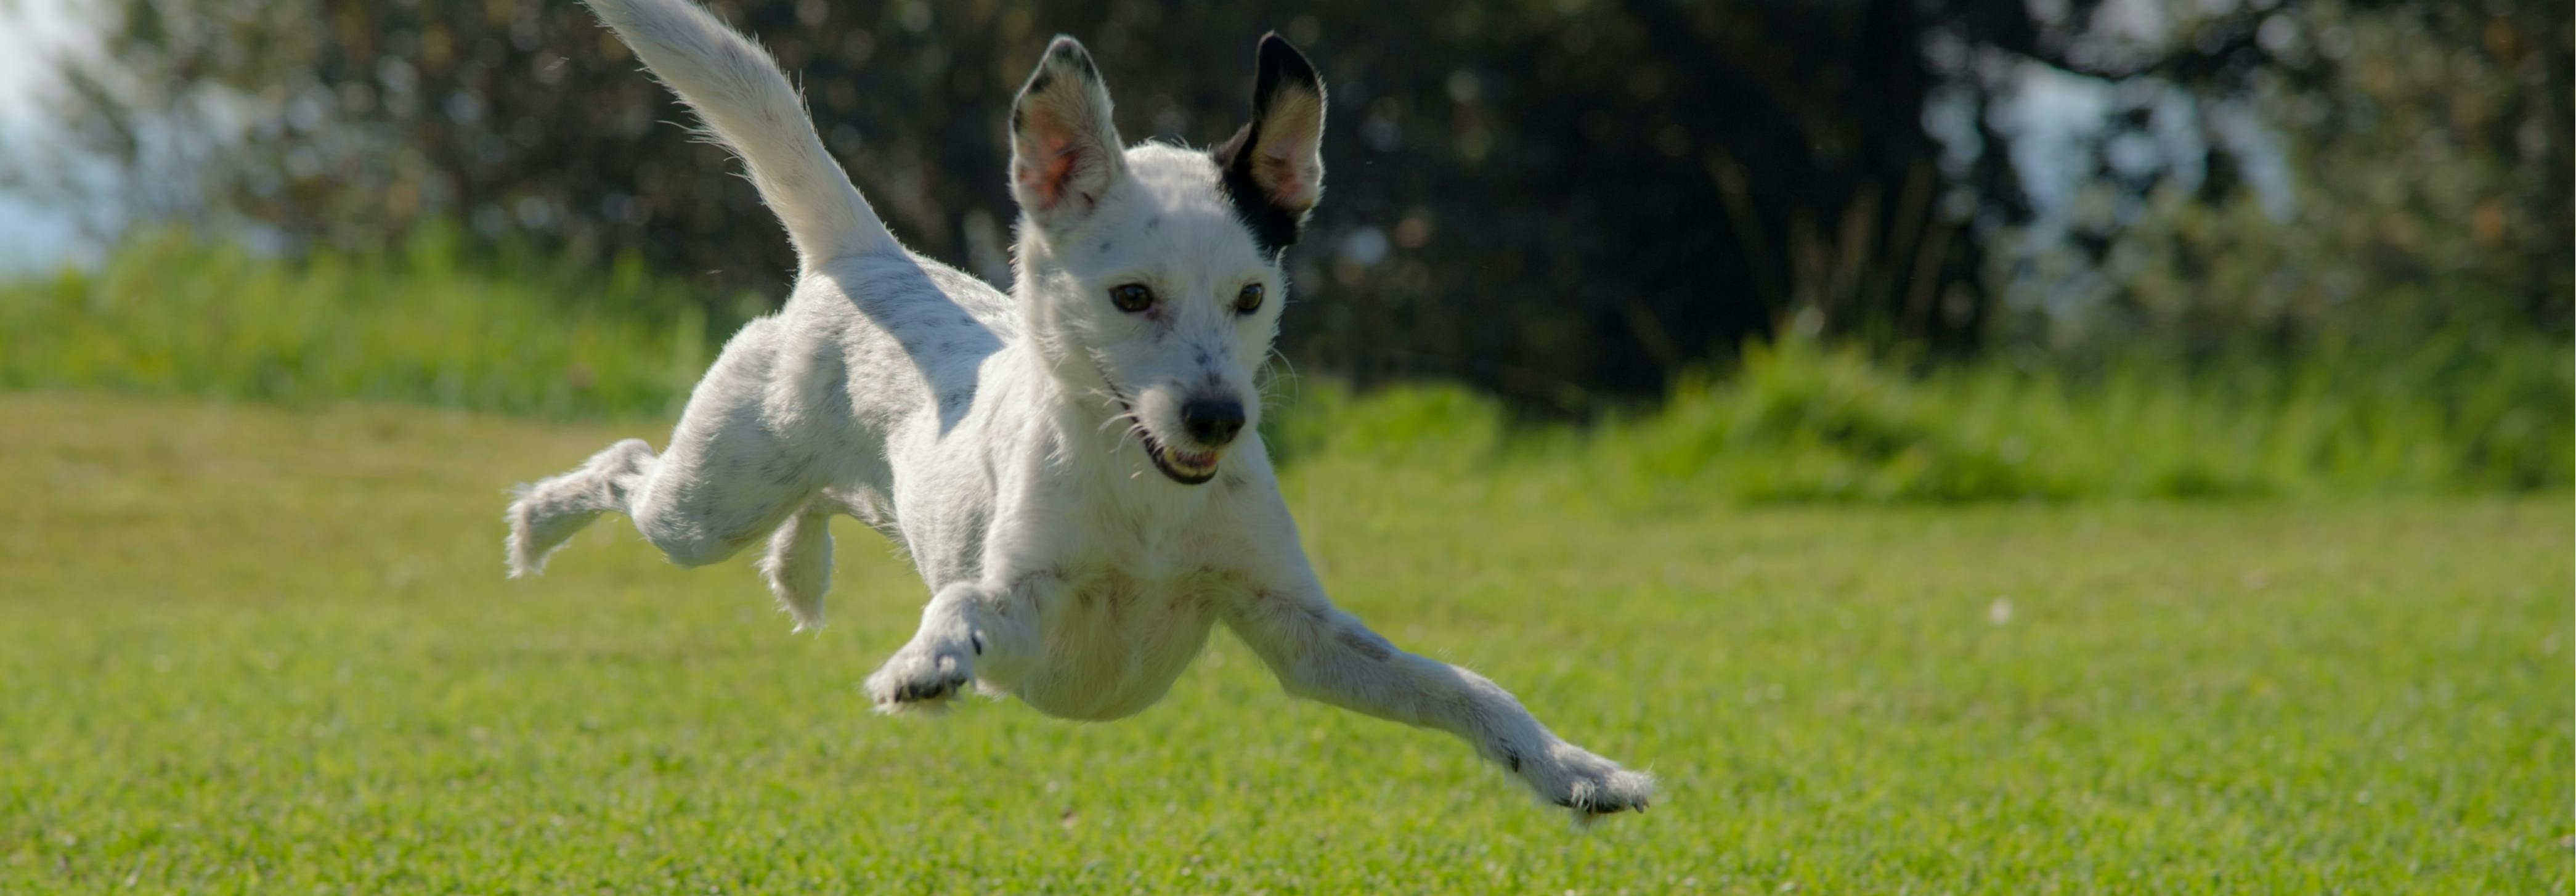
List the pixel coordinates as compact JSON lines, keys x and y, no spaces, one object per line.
{"x":1065,"y":152}
{"x":1274,"y":166}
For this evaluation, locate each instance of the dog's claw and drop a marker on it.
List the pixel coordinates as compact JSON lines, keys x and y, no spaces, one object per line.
{"x":923,"y":691}
{"x":913,"y":679}
{"x":1598,"y":787}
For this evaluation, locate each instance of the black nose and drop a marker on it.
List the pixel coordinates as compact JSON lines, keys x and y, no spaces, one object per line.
{"x":1212,"y":421}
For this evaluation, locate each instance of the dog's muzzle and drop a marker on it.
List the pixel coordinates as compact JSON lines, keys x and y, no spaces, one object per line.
{"x":1207,"y":421}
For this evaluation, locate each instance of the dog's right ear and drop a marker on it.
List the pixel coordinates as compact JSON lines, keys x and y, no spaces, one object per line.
{"x":1065,"y":151}
{"x":1273,"y":169}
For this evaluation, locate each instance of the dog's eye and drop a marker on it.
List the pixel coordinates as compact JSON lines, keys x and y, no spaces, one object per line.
{"x":1132,"y":297}
{"x":1249,"y":300}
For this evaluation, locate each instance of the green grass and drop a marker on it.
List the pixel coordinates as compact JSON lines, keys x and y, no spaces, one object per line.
{"x":267,"y":651}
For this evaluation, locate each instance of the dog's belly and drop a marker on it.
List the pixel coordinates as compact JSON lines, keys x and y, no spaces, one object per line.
{"x":1113,"y":646}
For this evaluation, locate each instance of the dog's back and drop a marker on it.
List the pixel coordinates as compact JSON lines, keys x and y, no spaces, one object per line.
{"x":875,"y":345}
{"x":908,"y":330}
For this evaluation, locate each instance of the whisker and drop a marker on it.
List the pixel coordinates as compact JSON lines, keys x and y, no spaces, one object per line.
{"x":1283,"y":360}
{"x":1295,"y":383}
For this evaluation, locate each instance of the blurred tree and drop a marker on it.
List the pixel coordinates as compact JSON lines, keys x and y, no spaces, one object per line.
{"x":348,"y":123}
{"x":1554,"y":200}
{"x":2427,"y":182}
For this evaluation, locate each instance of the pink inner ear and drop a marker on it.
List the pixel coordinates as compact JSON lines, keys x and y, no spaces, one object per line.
{"x":1285,"y":164}
{"x":1287,"y":172}
{"x":1044,"y":173}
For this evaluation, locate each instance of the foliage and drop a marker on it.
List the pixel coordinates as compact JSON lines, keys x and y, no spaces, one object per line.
{"x":1570,"y":204}
{"x":433,"y":324}
{"x":1552,"y":201}
{"x":1801,"y":423}
{"x":265,"y":652}
{"x":2427,"y":187}
{"x":1798,"y":422}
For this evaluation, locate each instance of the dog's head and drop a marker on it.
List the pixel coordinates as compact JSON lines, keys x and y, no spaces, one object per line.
{"x":1151,"y":273}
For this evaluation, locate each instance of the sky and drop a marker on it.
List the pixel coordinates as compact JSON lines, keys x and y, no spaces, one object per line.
{"x":33,"y":237}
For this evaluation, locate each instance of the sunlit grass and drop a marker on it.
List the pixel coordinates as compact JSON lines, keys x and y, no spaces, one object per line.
{"x":251,"y":650}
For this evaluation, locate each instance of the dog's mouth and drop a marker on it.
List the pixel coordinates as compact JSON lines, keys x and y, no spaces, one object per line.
{"x":1184,"y":467}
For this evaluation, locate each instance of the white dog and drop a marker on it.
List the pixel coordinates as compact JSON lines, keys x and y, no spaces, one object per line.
{"x":1074,"y":467}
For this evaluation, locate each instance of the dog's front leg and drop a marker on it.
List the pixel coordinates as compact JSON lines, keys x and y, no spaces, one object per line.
{"x":1322,"y":653}
{"x":970,"y":631}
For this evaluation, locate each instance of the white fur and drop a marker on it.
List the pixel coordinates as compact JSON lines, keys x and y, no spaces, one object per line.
{"x":985,"y":433}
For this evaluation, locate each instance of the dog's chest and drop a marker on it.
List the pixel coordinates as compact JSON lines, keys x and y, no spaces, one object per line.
{"x":1115,"y":640}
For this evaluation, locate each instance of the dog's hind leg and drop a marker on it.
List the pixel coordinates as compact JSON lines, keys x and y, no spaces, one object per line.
{"x":750,"y":449}
{"x":549,"y":511}
{"x":798,"y":566}
{"x":748,"y":452}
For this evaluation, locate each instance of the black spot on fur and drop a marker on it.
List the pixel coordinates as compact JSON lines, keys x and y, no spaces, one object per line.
{"x":1273,"y":228}
{"x":1105,"y":245}
{"x":1153,"y":222}
{"x":1512,"y":760}
{"x":1068,"y":50}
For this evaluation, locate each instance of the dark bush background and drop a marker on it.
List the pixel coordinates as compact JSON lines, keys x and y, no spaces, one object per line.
{"x":1562,"y":202}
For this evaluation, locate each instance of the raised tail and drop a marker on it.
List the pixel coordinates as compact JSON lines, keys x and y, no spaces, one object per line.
{"x":748,"y":106}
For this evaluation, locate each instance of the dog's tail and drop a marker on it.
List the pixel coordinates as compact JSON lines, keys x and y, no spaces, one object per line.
{"x":749,"y":107}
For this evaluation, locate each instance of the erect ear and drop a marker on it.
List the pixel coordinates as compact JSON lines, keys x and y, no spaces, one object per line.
{"x":1065,"y":152}
{"x":1274,"y":166}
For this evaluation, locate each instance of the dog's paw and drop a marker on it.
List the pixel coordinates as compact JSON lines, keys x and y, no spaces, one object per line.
{"x":545,"y":514}
{"x":534,"y":535}
{"x":1573,"y":778}
{"x":921,"y":677}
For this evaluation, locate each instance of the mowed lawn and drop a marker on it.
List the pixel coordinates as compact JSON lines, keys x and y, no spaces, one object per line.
{"x":270,"y":651}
